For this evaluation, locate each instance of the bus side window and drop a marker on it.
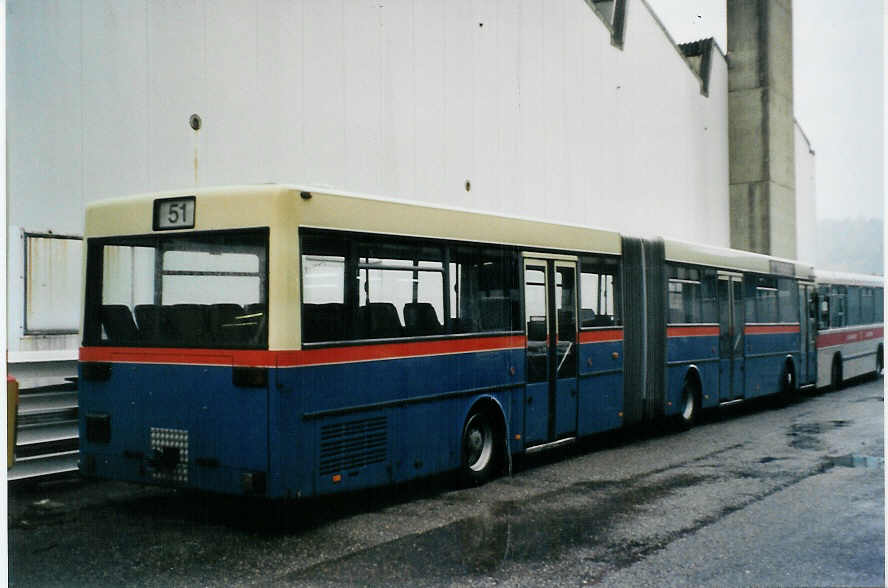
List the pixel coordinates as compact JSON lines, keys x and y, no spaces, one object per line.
{"x":837,"y":302}
{"x":866,"y":306}
{"x":787,"y":300}
{"x":484,"y":295}
{"x":691,"y":295}
{"x":823,"y":323}
{"x":853,"y":310}
{"x":710,"y":300}
{"x":599,"y":292}
{"x":749,"y":298}
{"x":324,"y":313}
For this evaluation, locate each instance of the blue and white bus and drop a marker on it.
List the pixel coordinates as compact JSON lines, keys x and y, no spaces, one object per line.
{"x":289,"y":342}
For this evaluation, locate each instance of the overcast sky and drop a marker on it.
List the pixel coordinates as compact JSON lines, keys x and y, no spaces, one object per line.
{"x":838,"y":57}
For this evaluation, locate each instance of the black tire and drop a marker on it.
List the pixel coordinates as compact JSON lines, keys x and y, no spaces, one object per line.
{"x":835,"y":377}
{"x":481,"y":447}
{"x":690,"y":406}
{"x":788,"y":389}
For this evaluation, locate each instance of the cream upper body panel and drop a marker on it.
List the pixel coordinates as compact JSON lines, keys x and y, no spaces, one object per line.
{"x":395,"y":217}
{"x":736,"y":260}
{"x":284,"y":209}
{"x":274,"y":205}
{"x":216,"y":208}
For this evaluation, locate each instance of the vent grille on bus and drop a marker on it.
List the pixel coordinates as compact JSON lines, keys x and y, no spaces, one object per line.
{"x":353,"y":444}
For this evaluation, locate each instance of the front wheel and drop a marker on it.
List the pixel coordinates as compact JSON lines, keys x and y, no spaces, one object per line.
{"x":480,"y":447}
{"x":690,"y":407}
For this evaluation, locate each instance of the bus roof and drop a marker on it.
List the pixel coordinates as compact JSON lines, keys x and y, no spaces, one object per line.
{"x":281,"y":205}
{"x":266,"y":205}
{"x":849,"y":279}
{"x":734,"y":259}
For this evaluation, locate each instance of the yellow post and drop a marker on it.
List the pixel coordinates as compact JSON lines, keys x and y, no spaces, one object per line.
{"x":11,"y":412}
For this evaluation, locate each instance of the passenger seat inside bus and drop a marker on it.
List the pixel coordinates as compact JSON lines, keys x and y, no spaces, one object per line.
{"x":496,"y":314}
{"x":119,"y":323}
{"x":536,"y":329}
{"x":225,"y":326}
{"x":379,"y":320}
{"x":257,"y":316}
{"x":149,"y":319}
{"x":187,"y":323}
{"x":420,"y":319}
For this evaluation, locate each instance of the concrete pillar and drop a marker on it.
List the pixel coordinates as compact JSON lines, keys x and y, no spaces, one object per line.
{"x":760,"y":116}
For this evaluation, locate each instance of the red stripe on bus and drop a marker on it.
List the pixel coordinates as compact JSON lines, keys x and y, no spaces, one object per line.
{"x":600,"y":336}
{"x":770,"y":329}
{"x":257,"y":357}
{"x":692,"y":331}
{"x":830,"y":339}
{"x":171,"y":355}
{"x":398,"y":350}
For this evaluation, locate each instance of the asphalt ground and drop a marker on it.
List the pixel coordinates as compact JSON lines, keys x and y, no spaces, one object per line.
{"x":755,"y":495}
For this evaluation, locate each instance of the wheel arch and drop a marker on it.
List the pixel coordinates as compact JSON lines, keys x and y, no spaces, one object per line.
{"x":690,"y":401}
{"x":694,"y":378}
{"x":492,"y":405}
{"x":837,"y":371}
{"x":789,"y":363}
{"x":836,"y":358}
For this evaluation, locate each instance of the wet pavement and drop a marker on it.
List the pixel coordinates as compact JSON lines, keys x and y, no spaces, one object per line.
{"x":754,"y":496}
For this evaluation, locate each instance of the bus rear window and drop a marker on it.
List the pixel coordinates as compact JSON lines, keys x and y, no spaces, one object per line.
{"x":197,"y":290}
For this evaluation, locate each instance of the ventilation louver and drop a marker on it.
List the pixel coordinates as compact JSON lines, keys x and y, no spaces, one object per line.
{"x":350,"y":445}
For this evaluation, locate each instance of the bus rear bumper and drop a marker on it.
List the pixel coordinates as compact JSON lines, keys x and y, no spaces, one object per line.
{"x":154,"y":471}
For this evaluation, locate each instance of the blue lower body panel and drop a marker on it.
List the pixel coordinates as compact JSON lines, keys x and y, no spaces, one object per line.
{"x":175,"y":425}
{"x":316,"y":429}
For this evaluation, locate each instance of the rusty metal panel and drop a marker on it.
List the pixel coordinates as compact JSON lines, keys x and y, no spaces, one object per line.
{"x":52,"y":283}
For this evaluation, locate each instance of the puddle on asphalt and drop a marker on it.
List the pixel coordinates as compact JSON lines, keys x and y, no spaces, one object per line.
{"x":858,"y":461}
{"x":540,"y":529}
{"x":806,"y":435}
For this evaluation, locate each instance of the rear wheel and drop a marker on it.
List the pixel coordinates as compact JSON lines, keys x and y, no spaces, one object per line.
{"x":835,"y":379}
{"x":481,"y":447}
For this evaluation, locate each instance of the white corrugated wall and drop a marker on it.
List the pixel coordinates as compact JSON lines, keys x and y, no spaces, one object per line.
{"x":526,"y":100}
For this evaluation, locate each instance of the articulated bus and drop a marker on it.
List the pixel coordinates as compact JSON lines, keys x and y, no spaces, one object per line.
{"x":849,"y":326}
{"x":286,"y":342}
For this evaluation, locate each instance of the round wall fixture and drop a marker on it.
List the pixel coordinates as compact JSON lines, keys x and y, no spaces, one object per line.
{"x":194,"y":122}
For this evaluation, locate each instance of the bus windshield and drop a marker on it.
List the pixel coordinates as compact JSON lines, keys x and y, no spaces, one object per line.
{"x":203,"y":290}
